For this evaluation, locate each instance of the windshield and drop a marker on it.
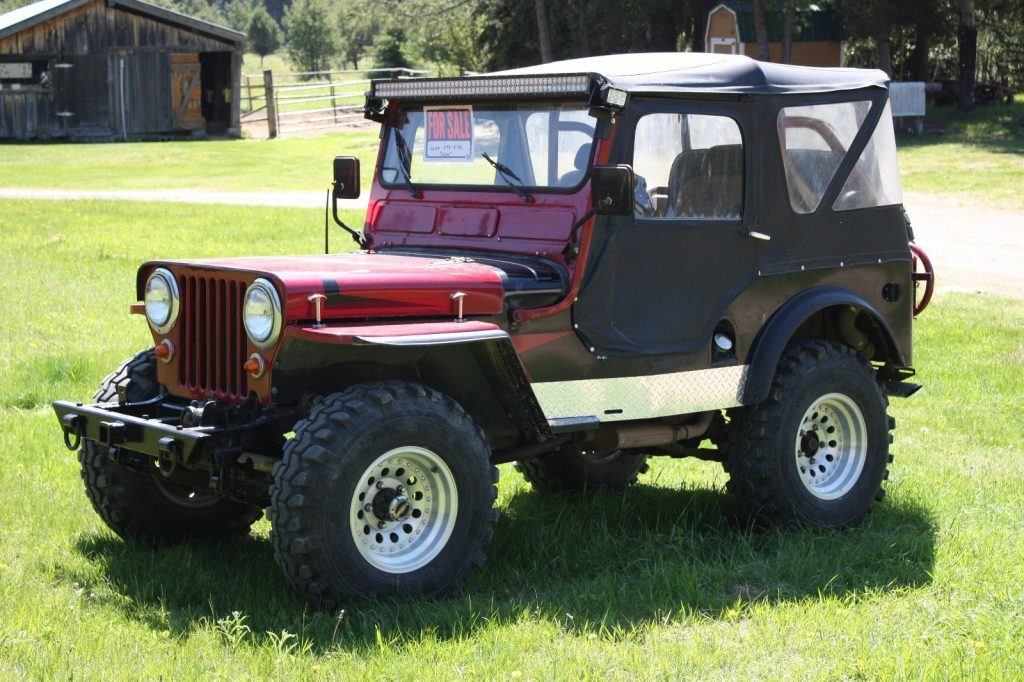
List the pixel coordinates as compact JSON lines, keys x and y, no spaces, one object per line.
{"x":495,"y":145}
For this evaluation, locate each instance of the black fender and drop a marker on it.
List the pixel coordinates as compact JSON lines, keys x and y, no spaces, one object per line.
{"x":479,"y":370}
{"x":771,"y":342}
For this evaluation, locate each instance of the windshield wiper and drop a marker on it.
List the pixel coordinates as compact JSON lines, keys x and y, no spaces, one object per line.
{"x":404,"y":163}
{"x":511,"y":178}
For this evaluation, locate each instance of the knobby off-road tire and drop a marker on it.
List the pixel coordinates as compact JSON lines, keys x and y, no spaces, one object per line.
{"x":137,"y":506}
{"x":812,"y":410}
{"x":571,"y":471}
{"x":387,"y":488}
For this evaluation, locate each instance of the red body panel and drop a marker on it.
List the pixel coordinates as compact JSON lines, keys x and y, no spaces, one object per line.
{"x":359,"y":285}
{"x":478,"y":219}
{"x":368,"y":332}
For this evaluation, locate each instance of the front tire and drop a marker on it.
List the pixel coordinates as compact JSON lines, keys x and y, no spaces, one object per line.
{"x":817,"y":449}
{"x":138,"y":506}
{"x":387,"y":488}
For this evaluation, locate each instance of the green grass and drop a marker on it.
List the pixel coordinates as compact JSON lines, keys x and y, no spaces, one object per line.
{"x":294,"y":164}
{"x":652,"y":582}
{"x":979,"y":158}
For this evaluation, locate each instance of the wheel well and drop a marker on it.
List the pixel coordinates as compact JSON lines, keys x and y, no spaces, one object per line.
{"x":484,"y":377}
{"x":851,"y":326}
{"x":828,"y":313}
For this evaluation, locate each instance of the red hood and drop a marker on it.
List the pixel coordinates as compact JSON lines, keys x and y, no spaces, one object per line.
{"x":367,"y":284}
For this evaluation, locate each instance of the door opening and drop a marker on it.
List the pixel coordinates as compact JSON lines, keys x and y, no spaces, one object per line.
{"x":215,"y":69}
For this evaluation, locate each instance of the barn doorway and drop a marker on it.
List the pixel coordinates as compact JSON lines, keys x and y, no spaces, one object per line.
{"x":215,"y":76}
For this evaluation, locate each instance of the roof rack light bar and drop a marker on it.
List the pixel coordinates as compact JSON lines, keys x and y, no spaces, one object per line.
{"x":568,"y":85}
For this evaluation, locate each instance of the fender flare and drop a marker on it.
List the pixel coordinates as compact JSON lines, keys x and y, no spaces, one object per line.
{"x":771,"y":343}
{"x":473,"y":362}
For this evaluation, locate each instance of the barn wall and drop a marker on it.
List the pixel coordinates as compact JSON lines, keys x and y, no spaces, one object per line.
{"x":805,"y":53}
{"x":94,"y":38}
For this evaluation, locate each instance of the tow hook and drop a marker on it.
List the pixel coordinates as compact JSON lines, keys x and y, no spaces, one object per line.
{"x":71,"y":425}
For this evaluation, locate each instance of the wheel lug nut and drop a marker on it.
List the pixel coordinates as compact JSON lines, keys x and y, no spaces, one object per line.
{"x":400,"y":488}
{"x":368,"y":507}
{"x":380,"y":525}
{"x":380,"y":484}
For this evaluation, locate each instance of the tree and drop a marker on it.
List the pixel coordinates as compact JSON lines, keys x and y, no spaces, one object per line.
{"x":543,"y":30}
{"x":761,"y":28}
{"x":387,"y":51}
{"x":359,"y":23}
{"x":967,"y":43}
{"x":264,"y":35}
{"x":452,"y":36}
{"x":787,"y":32}
{"x":309,"y":34}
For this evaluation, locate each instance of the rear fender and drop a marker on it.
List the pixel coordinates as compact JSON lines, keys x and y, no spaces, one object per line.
{"x":473,"y":362}
{"x":791,"y":319}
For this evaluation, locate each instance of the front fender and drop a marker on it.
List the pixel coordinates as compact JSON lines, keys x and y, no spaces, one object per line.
{"x":472,"y":361}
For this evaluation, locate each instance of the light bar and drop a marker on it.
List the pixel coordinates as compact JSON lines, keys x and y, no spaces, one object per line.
{"x":567,"y":85}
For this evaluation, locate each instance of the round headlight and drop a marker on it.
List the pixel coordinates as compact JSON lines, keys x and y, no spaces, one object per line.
{"x":161,"y":300}
{"x":261,"y":313}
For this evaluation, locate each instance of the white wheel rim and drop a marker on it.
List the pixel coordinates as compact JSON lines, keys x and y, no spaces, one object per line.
{"x":831,"y":446}
{"x":403,"y":509}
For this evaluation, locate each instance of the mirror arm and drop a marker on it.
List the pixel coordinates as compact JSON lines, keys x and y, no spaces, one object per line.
{"x":572,"y":249}
{"x":359,"y":238}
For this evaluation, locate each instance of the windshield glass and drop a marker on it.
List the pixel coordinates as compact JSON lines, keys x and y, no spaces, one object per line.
{"x":530,"y":145}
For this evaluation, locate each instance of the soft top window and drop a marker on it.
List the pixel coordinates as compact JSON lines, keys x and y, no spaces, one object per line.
{"x":875,"y":180}
{"x":539,"y":145}
{"x":815,"y":139}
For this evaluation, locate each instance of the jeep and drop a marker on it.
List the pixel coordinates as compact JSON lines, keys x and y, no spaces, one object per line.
{"x":573,"y":267}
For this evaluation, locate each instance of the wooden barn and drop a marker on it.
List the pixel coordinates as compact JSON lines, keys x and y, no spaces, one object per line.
{"x":116,"y":69}
{"x":817,"y":39}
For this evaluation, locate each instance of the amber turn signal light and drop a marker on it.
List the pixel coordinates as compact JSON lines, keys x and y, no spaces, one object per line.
{"x":164,"y":350}
{"x":254,"y":365}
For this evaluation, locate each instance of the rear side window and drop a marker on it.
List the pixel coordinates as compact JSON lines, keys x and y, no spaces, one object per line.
{"x":815,"y":140}
{"x":688,"y":166}
{"x":875,"y":180}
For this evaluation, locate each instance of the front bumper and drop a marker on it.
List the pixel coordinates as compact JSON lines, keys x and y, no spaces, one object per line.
{"x":148,"y":428}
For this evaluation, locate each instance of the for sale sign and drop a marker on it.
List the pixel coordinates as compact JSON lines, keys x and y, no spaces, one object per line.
{"x":449,"y":133}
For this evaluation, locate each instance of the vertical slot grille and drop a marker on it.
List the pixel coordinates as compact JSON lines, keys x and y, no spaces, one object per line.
{"x":212,"y":337}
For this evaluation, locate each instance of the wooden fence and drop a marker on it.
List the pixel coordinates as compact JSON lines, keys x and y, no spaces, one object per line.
{"x":303,"y":101}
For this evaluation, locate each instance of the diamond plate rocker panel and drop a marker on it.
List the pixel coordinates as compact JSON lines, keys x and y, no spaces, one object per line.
{"x":657,"y":395}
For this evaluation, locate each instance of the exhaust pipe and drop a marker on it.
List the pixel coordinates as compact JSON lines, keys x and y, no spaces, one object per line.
{"x":648,"y":435}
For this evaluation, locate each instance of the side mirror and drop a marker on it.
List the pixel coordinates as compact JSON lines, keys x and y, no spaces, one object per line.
{"x":346,"y":177}
{"x":611,"y":190}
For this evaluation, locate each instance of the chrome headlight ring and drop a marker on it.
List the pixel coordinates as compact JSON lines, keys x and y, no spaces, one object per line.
{"x":262,"y":313}
{"x":161,"y":278}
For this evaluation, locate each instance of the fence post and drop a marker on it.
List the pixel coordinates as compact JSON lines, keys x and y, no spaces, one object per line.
{"x":248,"y":92}
{"x":268,"y":93}
{"x":334,"y":104}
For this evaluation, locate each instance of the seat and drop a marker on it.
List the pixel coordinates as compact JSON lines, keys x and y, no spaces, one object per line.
{"x":717,"y":191}
{"x":575,"y":176}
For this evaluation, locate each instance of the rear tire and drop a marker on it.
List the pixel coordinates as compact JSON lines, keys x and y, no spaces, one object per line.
{"x":817,"y":449}
{"x":142,"y":507}
{"x":569,"y":470}
{"x":387,"y":488}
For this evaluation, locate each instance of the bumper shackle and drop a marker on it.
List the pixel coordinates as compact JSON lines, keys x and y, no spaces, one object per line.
{"x":72,"y":426}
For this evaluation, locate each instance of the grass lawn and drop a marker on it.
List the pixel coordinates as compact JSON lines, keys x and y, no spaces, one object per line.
{"x":650,"y":582}
{"x":293,"y":164}
{"x":979,"y":158}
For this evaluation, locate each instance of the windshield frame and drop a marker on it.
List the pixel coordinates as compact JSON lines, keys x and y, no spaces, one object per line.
{"x":398,"y":185}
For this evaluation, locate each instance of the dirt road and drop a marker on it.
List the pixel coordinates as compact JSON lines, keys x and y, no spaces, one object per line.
{"x":973,"y":247}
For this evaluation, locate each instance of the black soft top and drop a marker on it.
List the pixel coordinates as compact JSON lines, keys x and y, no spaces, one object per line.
{"x":658,"y":72}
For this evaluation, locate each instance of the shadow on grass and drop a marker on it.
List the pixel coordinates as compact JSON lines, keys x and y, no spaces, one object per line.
{"x":997,"y":128}
{"x":607,"y":564}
